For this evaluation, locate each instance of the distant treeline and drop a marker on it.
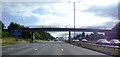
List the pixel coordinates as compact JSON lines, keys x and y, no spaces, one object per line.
{"x":38,"y":35}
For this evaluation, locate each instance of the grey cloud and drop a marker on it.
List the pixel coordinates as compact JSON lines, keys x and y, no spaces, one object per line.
{"x":104,"y":11}
{"x":107,"y":25}
{"x":31,"y":0}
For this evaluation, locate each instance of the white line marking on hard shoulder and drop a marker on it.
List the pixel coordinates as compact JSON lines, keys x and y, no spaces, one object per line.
{"x":61,"y":49}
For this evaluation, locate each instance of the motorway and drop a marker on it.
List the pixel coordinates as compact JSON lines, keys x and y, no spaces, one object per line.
{"x":47,"y":48}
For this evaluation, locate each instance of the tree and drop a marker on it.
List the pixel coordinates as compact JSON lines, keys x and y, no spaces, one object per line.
{"x":45,"y":36}
{"x":37,"y":35}
{"x":14,"y":25}
{"x":83,"y":34}
{"x":119,"y":30}
{"x":5,"y":34}
{"x":26,"y":34}
{"x":76,"y":37}
{"x":2,"y":26}
{"x":87,"y":36}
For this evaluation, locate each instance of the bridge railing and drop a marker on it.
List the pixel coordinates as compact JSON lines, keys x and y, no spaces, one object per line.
{"x":67,"y":26}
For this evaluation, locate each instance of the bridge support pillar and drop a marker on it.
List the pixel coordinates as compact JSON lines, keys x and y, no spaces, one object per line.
{"x":32,"y":36}
{"x":69,"y":38}
{"x":95,"y":32}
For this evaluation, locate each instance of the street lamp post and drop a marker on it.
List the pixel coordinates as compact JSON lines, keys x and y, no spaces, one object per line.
{"x":74,"y":19}
{"x":74,"y":14}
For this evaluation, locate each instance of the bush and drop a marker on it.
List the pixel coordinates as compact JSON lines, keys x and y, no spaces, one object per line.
{"x":5,"y":34}
{"x":119,"y":52}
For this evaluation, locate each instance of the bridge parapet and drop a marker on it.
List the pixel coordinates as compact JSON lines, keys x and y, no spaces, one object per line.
{"x":68,"y":26}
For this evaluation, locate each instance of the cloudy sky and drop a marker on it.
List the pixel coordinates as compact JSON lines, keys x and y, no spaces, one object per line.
{"x":95,"y":13}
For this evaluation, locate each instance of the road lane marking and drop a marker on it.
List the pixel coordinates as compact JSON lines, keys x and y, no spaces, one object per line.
{"x":26,"y":45}
{"x":36,"y":49}
{"x":10,"y":48}
{"x":43,"y":45}
{"x":35,"y":44}
{"x":61,"y":49}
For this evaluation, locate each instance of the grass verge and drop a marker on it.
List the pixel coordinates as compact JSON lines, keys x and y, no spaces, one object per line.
{"x":40,"y":41}
{"x":13,"y":41}
{"x":106,"y":50}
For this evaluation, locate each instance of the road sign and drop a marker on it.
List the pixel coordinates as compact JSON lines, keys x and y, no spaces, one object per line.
{"x":16,"y":33}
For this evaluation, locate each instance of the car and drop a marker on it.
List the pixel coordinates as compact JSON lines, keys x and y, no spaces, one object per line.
{"x":114,"y":41}
{"x":84,"y":40}
{"x":75,"y":40}
{"x":55,"y":40}
{"x":102,"y":41}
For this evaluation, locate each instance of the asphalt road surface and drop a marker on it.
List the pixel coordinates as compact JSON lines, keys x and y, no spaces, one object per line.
{"x":47,"y":48}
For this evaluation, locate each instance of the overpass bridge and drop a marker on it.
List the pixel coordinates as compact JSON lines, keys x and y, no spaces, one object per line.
{"x":39,"y":29}
{"x":66,"y":29}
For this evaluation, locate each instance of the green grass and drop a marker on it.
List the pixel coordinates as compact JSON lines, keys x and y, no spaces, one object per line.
{"x":0,"y":44}
{"x":107,"y":50}
{"x":119,"y":52}
{"x":40,"y":41}
{"x":12,"y":41}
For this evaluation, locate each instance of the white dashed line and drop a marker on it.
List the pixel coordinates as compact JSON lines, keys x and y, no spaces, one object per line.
{"x":43,"y":45}
{"x":26,"y":45}
{"x":35,"y":44}
{"x":61,"y":49}
{"x":10,"y":48}
{"x":36,"y":49}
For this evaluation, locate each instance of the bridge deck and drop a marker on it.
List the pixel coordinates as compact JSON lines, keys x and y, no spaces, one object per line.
{"x":66,"y":29}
